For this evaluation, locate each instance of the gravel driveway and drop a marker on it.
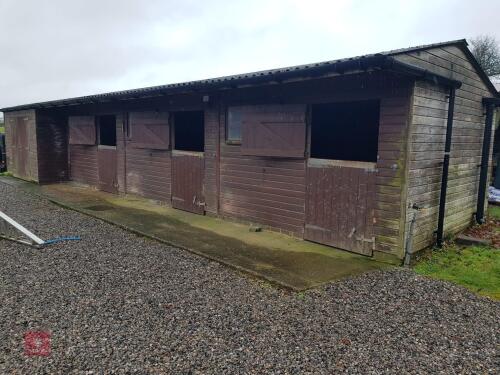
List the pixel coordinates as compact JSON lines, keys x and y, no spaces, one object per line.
{"x":117,"y":303}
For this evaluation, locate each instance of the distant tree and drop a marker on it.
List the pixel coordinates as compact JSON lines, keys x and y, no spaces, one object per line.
{"x":487,"y":52}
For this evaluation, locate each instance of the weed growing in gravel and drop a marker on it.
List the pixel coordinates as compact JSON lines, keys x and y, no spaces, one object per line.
{"x":476,"y":268}
{"x":301,"y":295}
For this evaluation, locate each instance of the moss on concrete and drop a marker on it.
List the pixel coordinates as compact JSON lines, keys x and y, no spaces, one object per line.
{"x":276,"y":257}
{"x":380,"y":256}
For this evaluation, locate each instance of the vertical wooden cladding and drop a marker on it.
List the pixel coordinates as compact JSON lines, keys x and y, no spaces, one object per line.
{"x":20,"y":146}
{"x":107,"y":169}
{"x":340,"y":207}
{"x":273,"y":130}
{"x":187,"y":185}
{"x":21,"y":142}
{"x":263,"y":189}
{"x":427,"y":137}
{"x":145,"y":155}
{"x":52,"y":139}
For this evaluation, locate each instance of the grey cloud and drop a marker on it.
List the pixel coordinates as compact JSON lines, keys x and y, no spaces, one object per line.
{"x":55,"y":49}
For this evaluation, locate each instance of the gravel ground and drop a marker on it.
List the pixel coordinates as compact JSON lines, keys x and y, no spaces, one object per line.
{"x":117,"y":303}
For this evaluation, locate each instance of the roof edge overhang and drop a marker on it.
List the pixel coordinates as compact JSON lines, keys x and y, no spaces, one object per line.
{"x":486,"y":79}
{"x":464,"y":47}
{"x":376,"y":62}
{"x":492,"y":101}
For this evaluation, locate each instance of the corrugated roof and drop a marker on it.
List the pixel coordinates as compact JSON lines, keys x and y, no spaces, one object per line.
{"x":360,"y":62}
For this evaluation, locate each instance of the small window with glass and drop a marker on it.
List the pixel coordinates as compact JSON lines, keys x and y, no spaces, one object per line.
{"x":234,"y":125}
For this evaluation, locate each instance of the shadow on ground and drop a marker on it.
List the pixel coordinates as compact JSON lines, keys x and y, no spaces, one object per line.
{"x":275,"y":257}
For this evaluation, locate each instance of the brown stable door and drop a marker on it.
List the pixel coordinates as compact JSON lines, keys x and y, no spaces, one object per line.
{"x":188,"y":163}
{"x":341,"y":171}
{"x":339,"y":206}
{"x":21,"y":148}
{"x":106,"y":153}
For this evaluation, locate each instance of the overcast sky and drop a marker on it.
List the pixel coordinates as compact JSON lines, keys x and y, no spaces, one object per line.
{"x":61,"y":48}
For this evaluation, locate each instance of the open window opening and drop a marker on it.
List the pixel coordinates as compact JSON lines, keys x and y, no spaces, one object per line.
{"x":345,"y":131}
{"x":107,"y":130}
{"x":189,"y":131}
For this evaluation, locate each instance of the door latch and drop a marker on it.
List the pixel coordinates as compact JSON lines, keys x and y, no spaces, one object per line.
{"x":198,"y":203}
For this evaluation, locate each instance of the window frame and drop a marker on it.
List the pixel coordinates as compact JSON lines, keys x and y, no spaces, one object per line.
{"x":229,"y":141}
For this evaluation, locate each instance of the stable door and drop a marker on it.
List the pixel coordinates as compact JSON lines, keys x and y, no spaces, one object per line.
{"x":188,"y":163}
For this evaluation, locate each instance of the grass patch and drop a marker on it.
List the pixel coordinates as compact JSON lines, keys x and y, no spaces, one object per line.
{"x":476,"y":268}
{"x":8,"y":174}
{"x":494,"y":212}
{"x":2,"y":129}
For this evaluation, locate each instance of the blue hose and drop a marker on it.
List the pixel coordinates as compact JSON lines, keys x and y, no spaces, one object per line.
{"x":61,"y":239}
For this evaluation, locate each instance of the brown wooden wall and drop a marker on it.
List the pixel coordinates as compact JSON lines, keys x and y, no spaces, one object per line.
{"x":83,"y":164}
{"x":391,"y":183}
{"x":22,"y":154}
{"x":268,"y":191}
{"x":428,"y":129}
{"x":142,"y":171}
{"x":52,"y":138}
{"x":271,"y":191}
{"x":211,"y":157}
{"x":148,"y":173}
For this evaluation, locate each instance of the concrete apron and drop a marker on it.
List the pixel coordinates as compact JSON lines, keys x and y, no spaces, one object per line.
{"x":280,"y":259}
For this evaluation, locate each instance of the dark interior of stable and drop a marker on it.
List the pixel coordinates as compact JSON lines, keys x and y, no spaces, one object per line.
{"x":107,"y":130}
{"x":345,"y":131}
{"x":189,"y":131}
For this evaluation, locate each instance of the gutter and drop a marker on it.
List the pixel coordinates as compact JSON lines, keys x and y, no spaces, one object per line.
{"x":318,"y":70}
{"x":407,"y":69}
{"x":490,"y":104}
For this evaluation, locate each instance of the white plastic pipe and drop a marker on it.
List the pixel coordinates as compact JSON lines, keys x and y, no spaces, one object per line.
{"x":22,"y":229}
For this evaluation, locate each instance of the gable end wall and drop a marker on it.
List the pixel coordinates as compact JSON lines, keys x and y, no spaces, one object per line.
{"x":427,"y":137}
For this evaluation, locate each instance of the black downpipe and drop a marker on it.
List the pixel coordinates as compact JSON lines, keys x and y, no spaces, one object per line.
{"x":446,"y":167}
{"x":483,"y":176}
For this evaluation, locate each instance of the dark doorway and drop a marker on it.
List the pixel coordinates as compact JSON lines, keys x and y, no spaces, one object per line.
{"x":188,"y":163}
{"x":340,"y":179}
{"x":345,"y":131}
{"x":107,"y":130}
{"x":106,"y":154}
{"x":189,"y":131}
